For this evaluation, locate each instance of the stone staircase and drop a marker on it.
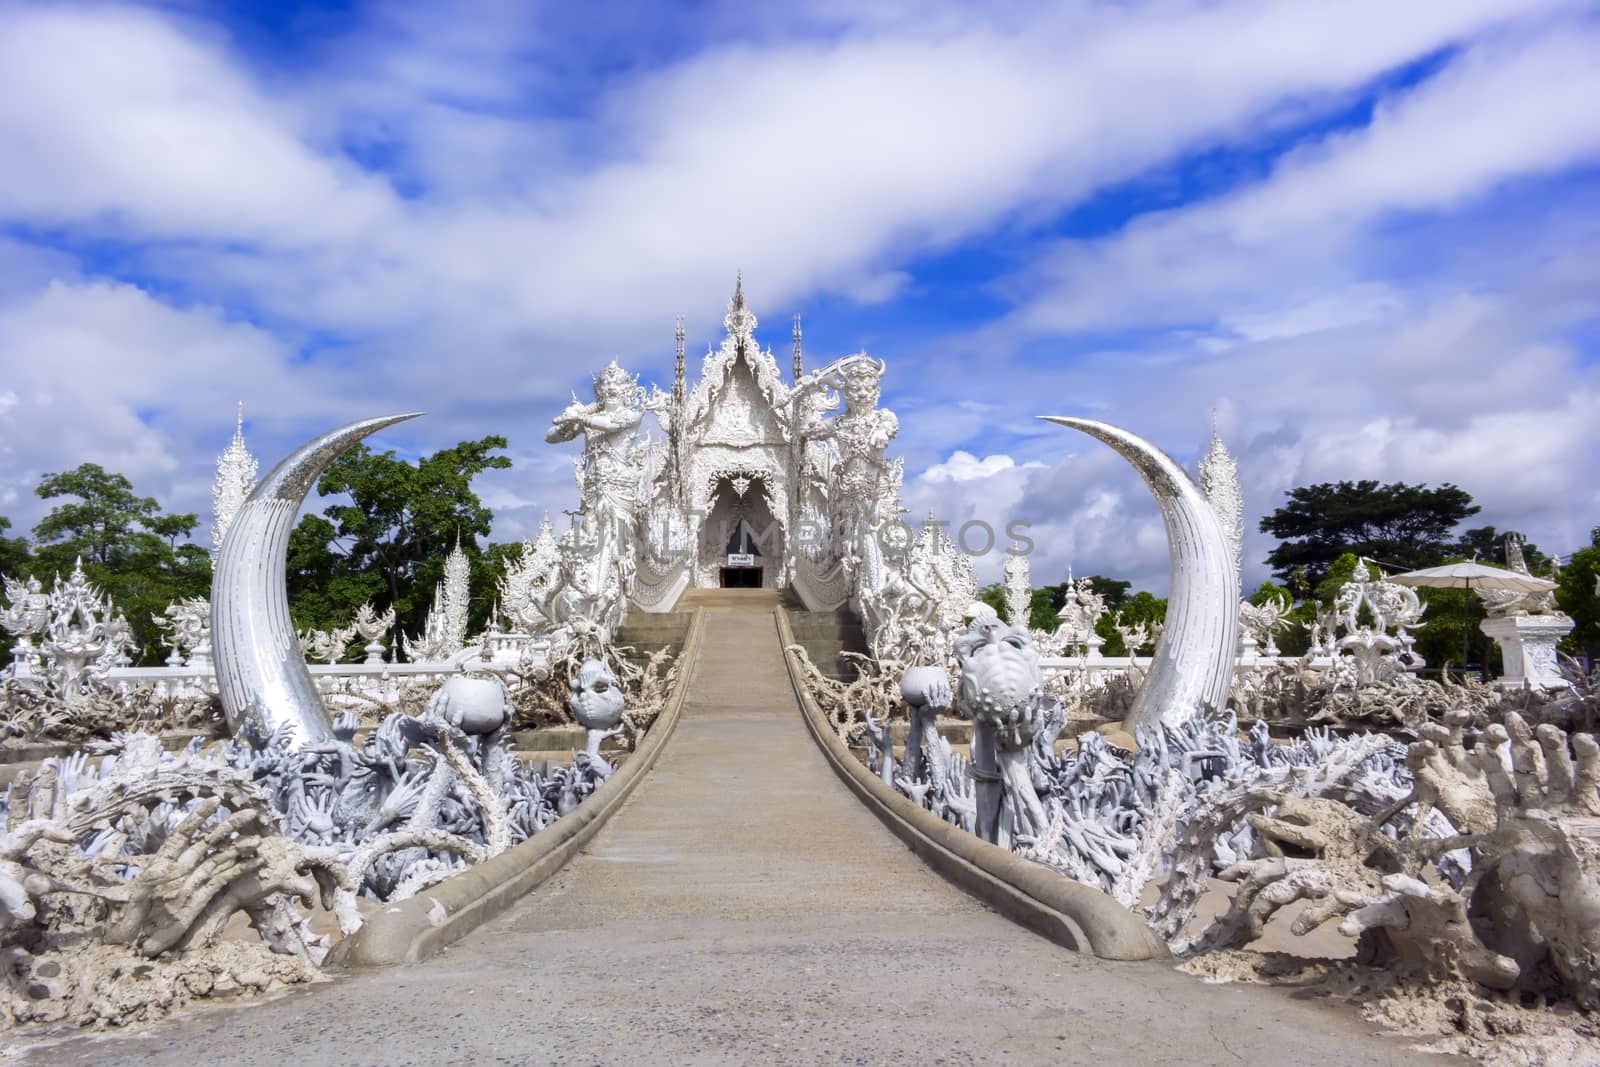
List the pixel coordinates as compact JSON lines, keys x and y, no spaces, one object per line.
{"x":728,"y":600}
{"x":646,"y":633}
{"x":826,"y":634}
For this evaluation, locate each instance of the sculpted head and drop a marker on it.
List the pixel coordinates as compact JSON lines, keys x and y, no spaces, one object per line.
{"x":1001,"y":681}
{"x":858,"y":382}
{"x":614,"y":384}
{"x":597,"y":698}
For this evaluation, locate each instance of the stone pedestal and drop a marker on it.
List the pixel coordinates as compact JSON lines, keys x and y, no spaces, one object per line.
{"x":1528,"y":646}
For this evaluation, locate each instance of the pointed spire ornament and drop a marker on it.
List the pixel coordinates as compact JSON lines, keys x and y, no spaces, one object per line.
{"x":1219,"y":480}
{"x":740,"y":321}
{"x":799,"y":363}
{"x":236,"y":477}
{"x":456,"y":595}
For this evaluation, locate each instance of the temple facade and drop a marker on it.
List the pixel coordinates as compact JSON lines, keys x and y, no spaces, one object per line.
{"x":744,"y":478}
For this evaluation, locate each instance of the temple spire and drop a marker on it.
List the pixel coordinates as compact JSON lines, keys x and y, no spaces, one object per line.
{"x":740,"y":323}
{"x":678,"y":366}
{"x":1219,"y":480}
{"x":236,"y":476}
{"x":799,"y":363}
{"x":675,"y":419}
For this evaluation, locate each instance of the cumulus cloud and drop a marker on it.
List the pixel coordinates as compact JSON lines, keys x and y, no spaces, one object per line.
{"x":463,"y":213}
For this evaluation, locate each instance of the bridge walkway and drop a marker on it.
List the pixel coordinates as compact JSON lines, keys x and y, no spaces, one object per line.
{"x":744,"y":908}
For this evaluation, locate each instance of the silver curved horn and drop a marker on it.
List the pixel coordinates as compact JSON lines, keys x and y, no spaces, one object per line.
{"x":258,"y":661}
{"x":1193,"y":666}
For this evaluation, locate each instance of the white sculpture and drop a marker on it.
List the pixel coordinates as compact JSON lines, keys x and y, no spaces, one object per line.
{"x":914,"y":599}
{"x":1018,"y":584}
{"x":1527,"y":627}
{"x":1135,"y":635}
{"x":444,"y":630}
{"x":326,"y":646}
{"x":457,"y":595}
{"x":1265,"y":621}
{"x":1002,"y":691}
{"x":1219,"y":481}
{"x":26,"y":616}
{"x":370,"y":627}
{"x":259,"y":672}
{"x":1081,"y":609}
{"x":1377,"y":655}
{"x":236,"y":476}
{"x":531,"y":582}
{"x":598,"y":551}
{"x":79,"y":632}
{"x":188,"y":625}
{"x":598,"y":703}
{"x":1194,"y":660}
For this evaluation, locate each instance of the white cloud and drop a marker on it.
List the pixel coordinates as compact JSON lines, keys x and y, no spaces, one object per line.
{"x":1499,"y":112}
{"x":415,"y":221}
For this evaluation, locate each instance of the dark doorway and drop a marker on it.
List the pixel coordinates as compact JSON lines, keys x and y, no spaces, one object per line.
{"x":741,"y":577}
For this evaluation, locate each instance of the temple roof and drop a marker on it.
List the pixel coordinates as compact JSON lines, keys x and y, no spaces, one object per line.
{"x":740,"y":397}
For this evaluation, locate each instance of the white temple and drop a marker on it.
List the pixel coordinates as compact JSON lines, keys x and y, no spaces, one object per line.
{"x":753,"y":482}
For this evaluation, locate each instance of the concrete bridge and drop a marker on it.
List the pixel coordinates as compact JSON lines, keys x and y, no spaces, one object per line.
{"x":744,"y":907}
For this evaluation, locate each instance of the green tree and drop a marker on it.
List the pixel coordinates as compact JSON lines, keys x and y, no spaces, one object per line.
{"x":1042,"y":606}
{"x":1578,"y":593}
{"x":134,"y":552}
{"x":994,"y":595}
{"x":1489,"y":545}
{"x":15,"y":558}
{"x":1406,"y":526}
{"x":101,"y":526}
{"x":386,"y":536}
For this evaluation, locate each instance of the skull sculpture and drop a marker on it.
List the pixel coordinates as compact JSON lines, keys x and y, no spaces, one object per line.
{"x":1002,"y":691}
{"x":597,"y":703}
{"x":1001,"y":682}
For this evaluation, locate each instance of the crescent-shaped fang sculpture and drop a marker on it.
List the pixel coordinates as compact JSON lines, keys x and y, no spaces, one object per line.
{"x":1193,"y":665}
{"x":259,"y":666}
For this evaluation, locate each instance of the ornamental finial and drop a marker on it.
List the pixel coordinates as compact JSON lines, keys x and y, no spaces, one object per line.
{"x":799,"y":363}
{"x":740,"y":323}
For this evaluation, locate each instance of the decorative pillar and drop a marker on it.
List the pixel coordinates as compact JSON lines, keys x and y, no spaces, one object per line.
{"x":1528,"y":647}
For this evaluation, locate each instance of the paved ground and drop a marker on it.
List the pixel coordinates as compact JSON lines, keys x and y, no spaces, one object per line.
{"x":743,"y":907}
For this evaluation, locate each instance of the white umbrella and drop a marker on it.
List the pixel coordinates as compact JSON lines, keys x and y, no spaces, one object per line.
{"x":1473,"y":575}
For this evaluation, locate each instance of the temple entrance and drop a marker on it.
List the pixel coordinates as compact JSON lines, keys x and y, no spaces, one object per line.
{"x":741,"y":544}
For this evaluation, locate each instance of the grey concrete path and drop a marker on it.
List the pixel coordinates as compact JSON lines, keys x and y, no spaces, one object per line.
{"x":743,"y":907}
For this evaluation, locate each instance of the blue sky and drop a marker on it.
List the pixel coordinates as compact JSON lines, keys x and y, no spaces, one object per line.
{"x":1362,"y":235}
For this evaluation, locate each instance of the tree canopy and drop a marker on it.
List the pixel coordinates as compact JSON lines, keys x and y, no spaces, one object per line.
{"x":1578,"y":593}
{"x":14,"y":554}
{"x":1405,"y":526}
{"x":386,"y":535}
{"x":130,"y":548}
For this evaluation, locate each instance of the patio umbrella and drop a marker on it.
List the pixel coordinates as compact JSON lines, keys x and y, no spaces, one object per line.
{"x":1473,"y":575}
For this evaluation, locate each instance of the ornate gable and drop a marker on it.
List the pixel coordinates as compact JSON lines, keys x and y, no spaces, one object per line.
{"x":740,"y":399}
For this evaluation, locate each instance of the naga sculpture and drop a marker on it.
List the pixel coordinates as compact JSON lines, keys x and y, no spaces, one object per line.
{"x":1194,"y":660}
{"x":259,"y":667}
